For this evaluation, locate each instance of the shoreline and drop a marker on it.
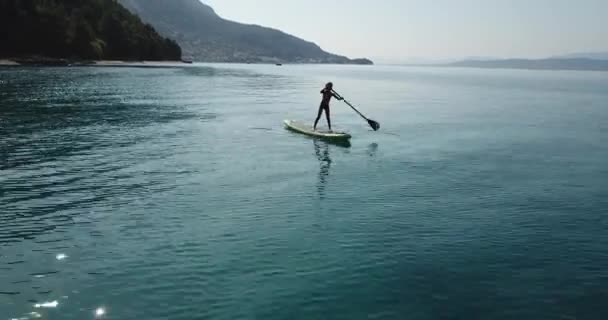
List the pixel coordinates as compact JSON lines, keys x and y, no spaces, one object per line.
{"x":7,"y":62}
{"x":47,"y":62}
{"x":44,"y":62}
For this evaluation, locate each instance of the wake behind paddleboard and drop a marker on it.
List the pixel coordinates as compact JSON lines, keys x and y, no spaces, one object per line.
{"x":323,"y":134}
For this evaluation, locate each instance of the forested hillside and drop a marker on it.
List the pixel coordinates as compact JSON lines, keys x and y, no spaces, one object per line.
{"x":79,"y":29}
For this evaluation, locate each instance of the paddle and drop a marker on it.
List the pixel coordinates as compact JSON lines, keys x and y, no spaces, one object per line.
{"x":375,"y":125}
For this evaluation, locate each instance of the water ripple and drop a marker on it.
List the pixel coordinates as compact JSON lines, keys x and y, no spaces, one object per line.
{"x":176,"y":194}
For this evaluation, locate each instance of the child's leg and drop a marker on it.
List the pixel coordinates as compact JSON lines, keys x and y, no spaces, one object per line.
{"x":318,"y":117}
{"x":328,"y":120}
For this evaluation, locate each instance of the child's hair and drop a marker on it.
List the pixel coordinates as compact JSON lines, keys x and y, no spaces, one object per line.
{"x":329,"y":85}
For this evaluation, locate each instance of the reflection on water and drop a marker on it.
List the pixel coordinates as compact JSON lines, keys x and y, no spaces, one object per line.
{"x":61,"y":256}
{"x":100,"y":312}
{"x":52,"y":304}
{"x":372,"y":149}
{"x":322,"y":152}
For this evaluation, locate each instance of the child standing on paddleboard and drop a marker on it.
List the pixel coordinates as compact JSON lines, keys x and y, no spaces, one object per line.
{"x":327,"y":93}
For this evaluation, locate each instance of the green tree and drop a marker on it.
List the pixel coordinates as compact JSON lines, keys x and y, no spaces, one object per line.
{"x":81,"y":29}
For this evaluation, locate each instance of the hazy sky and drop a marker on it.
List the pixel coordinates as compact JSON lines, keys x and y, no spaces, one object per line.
{"x":403,"y":29}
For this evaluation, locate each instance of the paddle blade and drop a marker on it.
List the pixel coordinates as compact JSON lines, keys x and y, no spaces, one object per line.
{"x":375,"y":125}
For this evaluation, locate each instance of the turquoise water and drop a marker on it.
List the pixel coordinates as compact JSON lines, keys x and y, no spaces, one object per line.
{"x":175,"y":193}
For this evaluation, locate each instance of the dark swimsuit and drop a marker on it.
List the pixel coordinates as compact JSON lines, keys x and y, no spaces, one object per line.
{"x":327,"y":94}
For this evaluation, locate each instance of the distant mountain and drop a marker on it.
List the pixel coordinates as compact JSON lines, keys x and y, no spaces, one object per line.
{"x":480,"y":58}
{"x":205,"y":36}
{"x":541,"y":64}
{"x":585,"y":55}
{"x":79,"y":30}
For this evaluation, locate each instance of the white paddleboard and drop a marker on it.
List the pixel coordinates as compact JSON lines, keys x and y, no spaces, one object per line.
{"x":306,"y":129}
